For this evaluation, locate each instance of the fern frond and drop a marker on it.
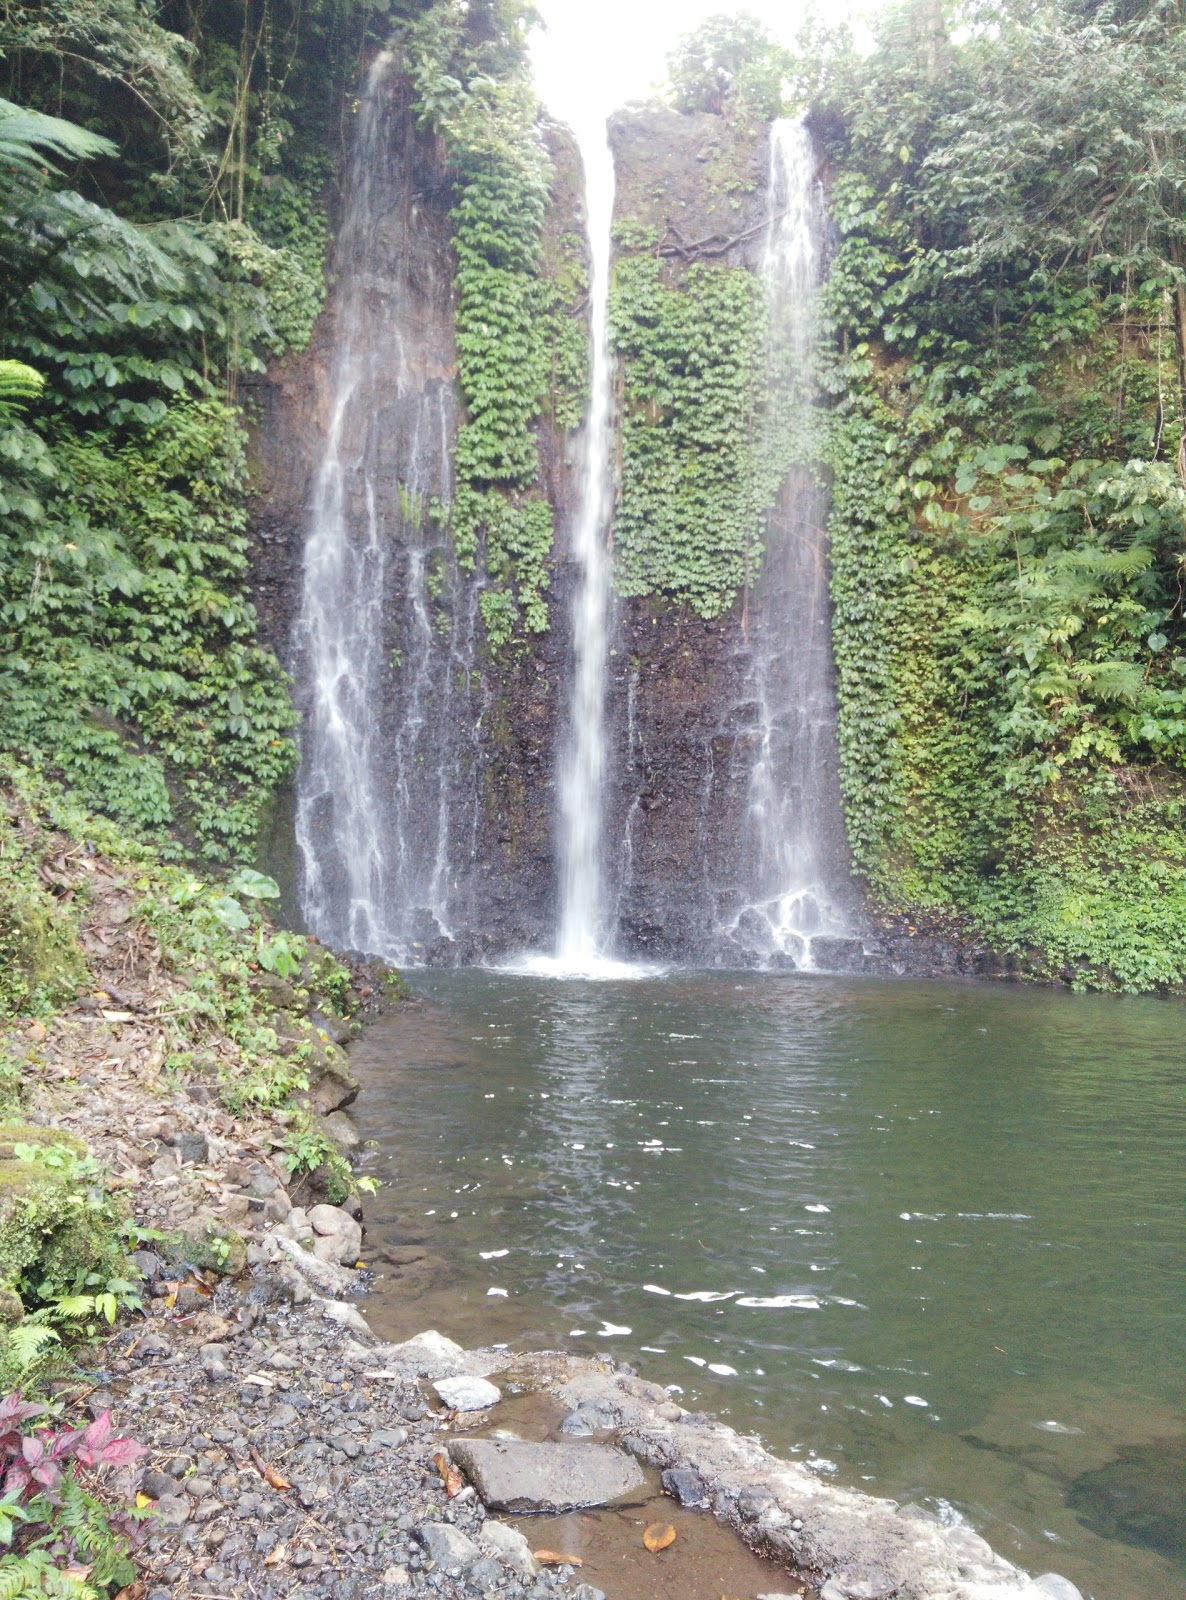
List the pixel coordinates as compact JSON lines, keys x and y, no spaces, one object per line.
{"x":28,"y":138}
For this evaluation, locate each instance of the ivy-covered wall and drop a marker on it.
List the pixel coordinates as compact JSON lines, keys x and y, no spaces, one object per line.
{"x":1006,"y":531}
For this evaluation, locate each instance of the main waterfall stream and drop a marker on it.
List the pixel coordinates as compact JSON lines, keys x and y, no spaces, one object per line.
{"x":581,"y":931}
{"x":926,"y":1237}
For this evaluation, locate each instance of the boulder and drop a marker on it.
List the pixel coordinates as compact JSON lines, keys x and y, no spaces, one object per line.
{"x":467,"y":1394}
{"x":518,"y":1476}
{"x":339,"y":1237}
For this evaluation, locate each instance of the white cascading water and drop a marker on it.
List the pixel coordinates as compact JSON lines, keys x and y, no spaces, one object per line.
{"x":581,"y":930}
{"x":377,"y":783}
{"x":799,"y":885}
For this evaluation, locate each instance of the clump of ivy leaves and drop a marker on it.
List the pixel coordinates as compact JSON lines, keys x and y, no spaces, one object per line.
{"x":517,"y":328}
{"x":689,"y":520}
{"x":1006,"y":525}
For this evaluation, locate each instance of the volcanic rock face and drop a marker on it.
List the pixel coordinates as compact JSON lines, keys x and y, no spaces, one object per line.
{"x":441,"y":848}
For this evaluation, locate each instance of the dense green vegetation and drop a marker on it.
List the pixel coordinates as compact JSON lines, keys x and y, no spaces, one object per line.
{"x":162,"y":229}
{"x":1003,"y":373}
{"x":1007,"y":533}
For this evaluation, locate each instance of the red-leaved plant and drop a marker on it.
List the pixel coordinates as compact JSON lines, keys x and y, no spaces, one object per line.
{"x":34,"y":1462}
{"x":46,"y":1505}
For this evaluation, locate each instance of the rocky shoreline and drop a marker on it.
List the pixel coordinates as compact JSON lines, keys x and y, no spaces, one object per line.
{"x":295,"y":1455}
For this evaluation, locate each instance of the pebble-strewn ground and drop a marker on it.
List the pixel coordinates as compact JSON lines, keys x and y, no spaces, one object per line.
{"x":258,"y":1388}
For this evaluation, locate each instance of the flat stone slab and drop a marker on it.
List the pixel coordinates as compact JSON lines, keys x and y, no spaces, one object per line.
{"x":514,"y":1475}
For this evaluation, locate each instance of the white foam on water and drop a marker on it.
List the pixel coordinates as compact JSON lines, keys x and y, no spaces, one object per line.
{"x":820,"y":1464}
{"x":611,"y":1330}
{"x":708,"y":1295}
{"x":590,"y":966}
{"x":836,"y":1362}
{"x":915,"y":1400}
{"x":722,"y":1370}
{"x":653,"y":1349}
{"x":653,"y":1288}
{"x":781,"y":1302}
{"x":817,"y":1208}
{"x":697,"y":1361}
{"x":501,"y":1293}
{"x":493,"y":1255}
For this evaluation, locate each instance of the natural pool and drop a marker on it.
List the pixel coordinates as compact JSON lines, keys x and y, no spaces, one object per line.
{"x":927,"y":1237}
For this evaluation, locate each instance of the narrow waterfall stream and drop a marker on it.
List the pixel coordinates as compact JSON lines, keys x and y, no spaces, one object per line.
{"x":799,"y":890}
{"x":579,"y":943}
{"x":384,"y":671}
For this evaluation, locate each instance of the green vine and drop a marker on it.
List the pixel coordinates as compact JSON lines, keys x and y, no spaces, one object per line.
{"x":689,"y":518}
{"x":512,"y":322}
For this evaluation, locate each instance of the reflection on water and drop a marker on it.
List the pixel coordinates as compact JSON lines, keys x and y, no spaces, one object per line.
{"x":924,"y":1237}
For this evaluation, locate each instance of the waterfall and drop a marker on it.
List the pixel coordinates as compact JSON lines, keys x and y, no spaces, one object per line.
{"x":382,"y":666}
{"x":798,"y":884}
{"x":582,"y":772}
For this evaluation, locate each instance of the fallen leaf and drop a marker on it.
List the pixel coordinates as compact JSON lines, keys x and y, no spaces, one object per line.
{"x":658,"y":1536}
{"x":36,"y":1031}
{"x":549,"y":1558}
{"x":134,"y":1591}
{"x":269,"y":1473}
{"x":143,"y":1500}
{"x":276,"y":1555}
{"x":450,"y":1476}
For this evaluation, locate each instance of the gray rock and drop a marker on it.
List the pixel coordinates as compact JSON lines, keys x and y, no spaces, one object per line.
{"x":510,"y":1546}
{"x":326,"y":1276}
{"x":192,"y":1147}
{"x":753,"y":1500}
{"x":428,"y":1355}
{"x":1057,"y":1587}
{"x":688,"y":1487}
{"x":586,"y":1591}
{"x":448,"y":1546}
{"x":342,"y":1234}
{"x":485,"y":1574}
{"x":467,"y":1394}
{"x":514,"y":1475}
{"x":864,"y":1586}
{"x":345,"y":1315}
{"x":173,"y":1510}
{"x":388,"y":1438}
{"x":342,"y":1131}
{"x":158,"y":1484}
{"x":199,"y":1488}
{"x":214,"y":1362}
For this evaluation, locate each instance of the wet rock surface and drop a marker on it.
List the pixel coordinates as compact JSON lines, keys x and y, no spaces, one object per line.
{"x":519,"y":1475}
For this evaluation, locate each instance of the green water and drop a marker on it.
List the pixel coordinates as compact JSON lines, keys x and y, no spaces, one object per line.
{"x":931,"y":1235}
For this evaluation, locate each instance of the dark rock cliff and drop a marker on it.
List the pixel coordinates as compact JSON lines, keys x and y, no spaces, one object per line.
{"x":681,"y":718}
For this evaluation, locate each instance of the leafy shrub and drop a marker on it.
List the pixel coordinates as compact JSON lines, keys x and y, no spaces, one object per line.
{"x":52,"y":1519}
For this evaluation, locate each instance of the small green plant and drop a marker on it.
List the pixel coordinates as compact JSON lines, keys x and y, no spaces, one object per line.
{"x":306,"y":1149}
{"x":281,"y":953}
